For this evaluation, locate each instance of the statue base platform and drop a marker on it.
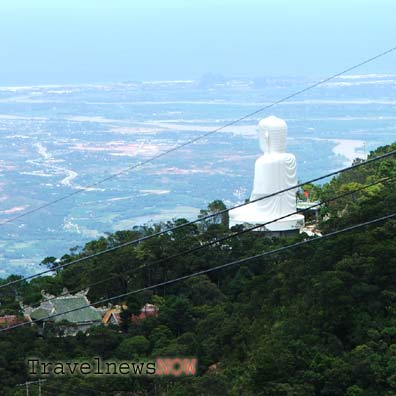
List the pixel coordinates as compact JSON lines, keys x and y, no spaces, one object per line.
{"x":250,"y":218}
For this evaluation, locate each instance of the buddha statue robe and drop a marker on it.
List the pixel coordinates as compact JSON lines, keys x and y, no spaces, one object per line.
{"x":275,"y":170}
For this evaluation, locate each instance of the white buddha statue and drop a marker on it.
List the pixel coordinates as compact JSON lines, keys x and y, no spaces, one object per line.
{"x":275,"y":170}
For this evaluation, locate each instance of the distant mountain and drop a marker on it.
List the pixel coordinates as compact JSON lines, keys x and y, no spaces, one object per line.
{"x":57,"y":139}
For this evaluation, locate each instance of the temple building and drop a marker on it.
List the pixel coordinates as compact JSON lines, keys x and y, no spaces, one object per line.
{"x":73,"y":311}
{"x":275,"y":170}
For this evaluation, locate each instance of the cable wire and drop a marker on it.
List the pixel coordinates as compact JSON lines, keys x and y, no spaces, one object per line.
{"x":208,"y":270}
{"x":226,"y":237}
{"x":147,"y":237}
{"x":196,"y":139}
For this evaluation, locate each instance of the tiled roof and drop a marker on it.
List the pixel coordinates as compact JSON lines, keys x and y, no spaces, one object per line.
{"x":114,"y":313}
{"x":7,"y":318}
{"x":107,"y":316}
{"x":10,"y":320}
{"x":59,"y":305}
{"x":64,"y":304}
{"x":39,"y":313}
{"x":147,"y":311}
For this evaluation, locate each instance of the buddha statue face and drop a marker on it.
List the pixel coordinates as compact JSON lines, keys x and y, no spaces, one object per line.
{"x":272,"y":133}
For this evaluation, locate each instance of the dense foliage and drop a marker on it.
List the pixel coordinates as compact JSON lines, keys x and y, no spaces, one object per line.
{"x":315,"y":320}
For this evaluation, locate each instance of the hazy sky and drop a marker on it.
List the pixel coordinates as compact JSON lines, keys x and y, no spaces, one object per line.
{"x":72,"y":41}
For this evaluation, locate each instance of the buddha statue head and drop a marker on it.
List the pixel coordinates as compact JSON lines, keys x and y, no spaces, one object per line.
{"x":272,"y":133}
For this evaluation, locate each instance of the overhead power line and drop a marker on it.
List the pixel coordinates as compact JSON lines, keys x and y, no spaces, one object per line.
{"x":226,"y":237}
{"x":212,"y":269}
{"x":198,"y":138}
{"x":147,"y":237}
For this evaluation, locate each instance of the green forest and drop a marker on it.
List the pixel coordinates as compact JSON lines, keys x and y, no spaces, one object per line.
{"x":315,"y":320}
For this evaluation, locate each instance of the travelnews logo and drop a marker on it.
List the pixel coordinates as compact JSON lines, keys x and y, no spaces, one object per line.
{"x":162,"y":366}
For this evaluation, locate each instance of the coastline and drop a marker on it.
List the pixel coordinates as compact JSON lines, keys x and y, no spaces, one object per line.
{"x":350,"y":149}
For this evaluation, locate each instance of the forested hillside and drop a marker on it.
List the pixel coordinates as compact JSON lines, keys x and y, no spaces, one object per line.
{"x":319,"y":319}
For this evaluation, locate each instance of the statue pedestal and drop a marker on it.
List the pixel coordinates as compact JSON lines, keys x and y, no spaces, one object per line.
{"x":249,"y":216}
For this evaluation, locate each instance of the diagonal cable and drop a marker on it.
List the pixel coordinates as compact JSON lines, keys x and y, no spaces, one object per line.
{"x":226,"y":237}
{"x":196,"y":139}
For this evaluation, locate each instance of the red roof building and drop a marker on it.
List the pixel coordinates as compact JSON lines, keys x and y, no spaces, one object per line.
{"x":11,"y":320}
{"x":147,"y":311}
{"x":112,"y":316}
